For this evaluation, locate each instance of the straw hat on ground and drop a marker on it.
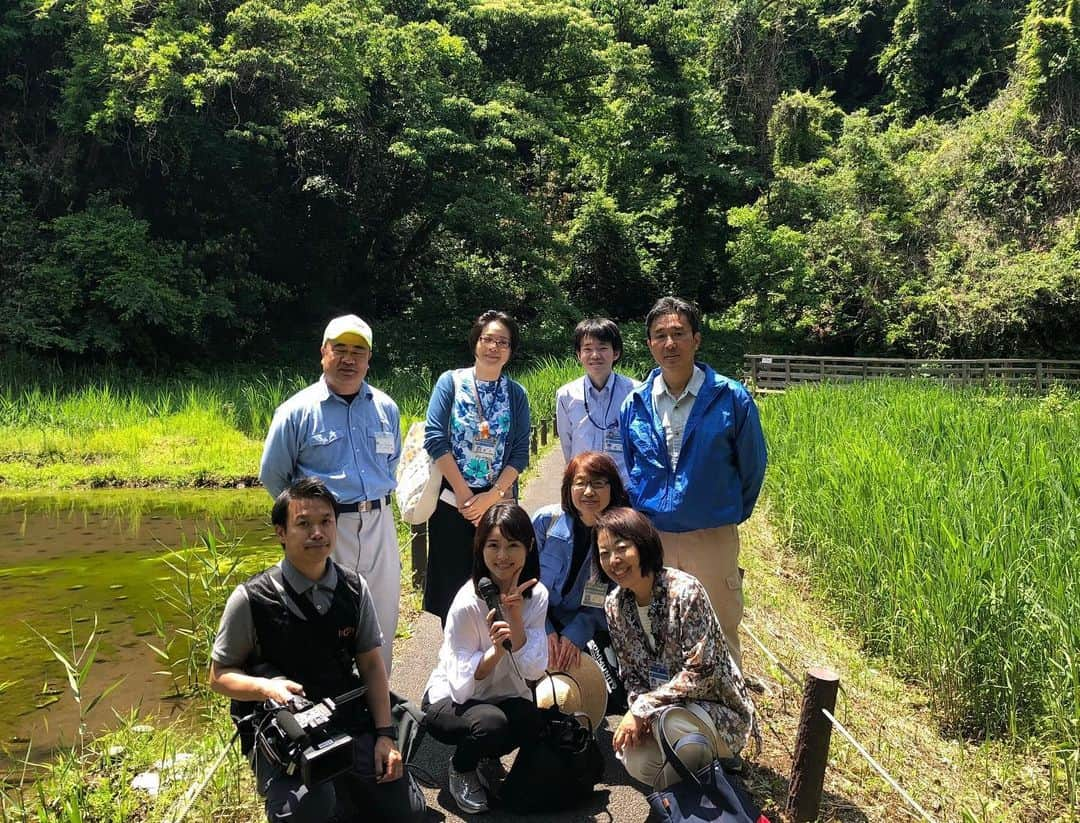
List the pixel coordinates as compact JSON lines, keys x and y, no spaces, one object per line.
{"x":680,"y":720}
{"x":582,"y":689}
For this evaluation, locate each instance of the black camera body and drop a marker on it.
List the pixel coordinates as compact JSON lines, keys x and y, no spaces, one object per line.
{"x":300,"y":737}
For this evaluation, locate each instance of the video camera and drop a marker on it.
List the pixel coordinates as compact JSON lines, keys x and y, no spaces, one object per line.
{"x":300,"y":736}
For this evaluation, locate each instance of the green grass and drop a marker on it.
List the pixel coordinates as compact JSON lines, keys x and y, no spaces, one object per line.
{"x":945,"y":526}
{"x":96,"y":429}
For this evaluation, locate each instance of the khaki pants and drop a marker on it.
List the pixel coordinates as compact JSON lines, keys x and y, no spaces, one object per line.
{"x":712,"y":556}
{"x":367,"y":544}
{"x":645,"y":761}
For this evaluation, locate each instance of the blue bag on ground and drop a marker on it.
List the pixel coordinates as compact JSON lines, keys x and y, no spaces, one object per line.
{"x":705,"y":797}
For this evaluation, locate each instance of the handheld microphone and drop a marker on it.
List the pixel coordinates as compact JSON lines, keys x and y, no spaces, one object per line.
{"x":490,"y":592}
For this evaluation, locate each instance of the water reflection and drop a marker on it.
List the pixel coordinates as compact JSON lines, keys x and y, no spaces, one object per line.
{"x":67,"y":561}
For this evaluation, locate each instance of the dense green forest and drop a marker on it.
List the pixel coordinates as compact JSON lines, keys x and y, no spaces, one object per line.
{"x":183,"y":180}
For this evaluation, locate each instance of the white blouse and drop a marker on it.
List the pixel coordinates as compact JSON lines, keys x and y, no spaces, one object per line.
{"x":465,"y":640}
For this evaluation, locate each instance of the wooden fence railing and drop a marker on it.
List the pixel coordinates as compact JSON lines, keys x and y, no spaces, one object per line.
{"x":775,"y":372}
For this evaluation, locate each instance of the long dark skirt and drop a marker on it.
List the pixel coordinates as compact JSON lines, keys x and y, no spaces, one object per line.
{"x":450,"y":539}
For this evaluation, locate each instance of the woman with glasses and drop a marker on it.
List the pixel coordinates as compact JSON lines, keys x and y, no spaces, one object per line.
{"x":673,"y":658}
{"x":477,"y":433}
{"x":564,"y":536}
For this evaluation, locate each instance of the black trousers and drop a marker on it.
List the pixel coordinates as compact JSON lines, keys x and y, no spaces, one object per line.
{"x":450,"y":557}
{"x":352,"y":796}
{"x":481,"y":729}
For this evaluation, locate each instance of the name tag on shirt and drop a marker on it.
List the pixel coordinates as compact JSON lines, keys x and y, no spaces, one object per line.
{"x":483,"y":448}
{"x":384,"y":443}
{"x":658,"y":674}
{"x":612,"y":441}
{"x":594,"y":595}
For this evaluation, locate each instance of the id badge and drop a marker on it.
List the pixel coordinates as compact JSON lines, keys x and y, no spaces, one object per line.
{"x":612,"y":441}
{"x":594,"y":595}
{"x":658,"y":674}
{"x":384,"y":443}
{"x":484,"y":449}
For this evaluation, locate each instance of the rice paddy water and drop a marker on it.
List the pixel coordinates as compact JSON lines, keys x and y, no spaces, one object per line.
{"x":102,"y":563}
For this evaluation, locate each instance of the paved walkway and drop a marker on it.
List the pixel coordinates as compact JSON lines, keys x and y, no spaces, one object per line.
{"x":615,"y":799}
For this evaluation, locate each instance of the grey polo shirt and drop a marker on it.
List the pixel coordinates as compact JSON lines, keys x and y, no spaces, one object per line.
{"x":235,"y":641}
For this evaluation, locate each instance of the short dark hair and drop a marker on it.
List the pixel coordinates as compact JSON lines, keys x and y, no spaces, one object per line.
{"x":603,"y":329}
{"x":673,"y":305}
{"x":491,"y":315}
{"x":595,"y":464}
{"x":514,"y":523}
{"x":623,"y":523}
{"x":307,"y":488}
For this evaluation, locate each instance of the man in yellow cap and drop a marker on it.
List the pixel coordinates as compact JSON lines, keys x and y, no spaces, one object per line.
{"x":346,"y":433}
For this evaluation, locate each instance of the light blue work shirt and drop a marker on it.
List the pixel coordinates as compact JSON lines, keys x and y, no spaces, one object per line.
{"x":353,"y":448}
{"x":583,"y":427}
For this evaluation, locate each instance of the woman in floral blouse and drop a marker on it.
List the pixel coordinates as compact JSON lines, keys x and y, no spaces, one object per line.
{"x":477,"y":433}
{"x":671,"y":652}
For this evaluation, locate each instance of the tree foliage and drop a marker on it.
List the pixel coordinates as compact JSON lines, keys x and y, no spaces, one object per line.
{"x":178,"y":177}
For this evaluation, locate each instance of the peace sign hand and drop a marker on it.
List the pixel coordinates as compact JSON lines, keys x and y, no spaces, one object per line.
{"x":511,"y":602}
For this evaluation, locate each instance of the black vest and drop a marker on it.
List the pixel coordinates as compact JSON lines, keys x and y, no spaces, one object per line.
{"x":317,"y":651}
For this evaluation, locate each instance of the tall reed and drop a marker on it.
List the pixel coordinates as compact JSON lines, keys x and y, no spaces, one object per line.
{"x":945,"y":525}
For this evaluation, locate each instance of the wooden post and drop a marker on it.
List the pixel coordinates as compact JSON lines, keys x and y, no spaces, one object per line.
{"x":534,"y":445}
{"x":753,"y":370}
{"x":787,"y":372}
{"x":419,"y":555}
{"x":812,"y":745}
{"x":1039,"y":375}
{"x":543,"y":431}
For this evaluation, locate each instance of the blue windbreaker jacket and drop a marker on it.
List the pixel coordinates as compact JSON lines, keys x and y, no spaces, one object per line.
{"x":555,"y":542}
{"x":721,"y":465}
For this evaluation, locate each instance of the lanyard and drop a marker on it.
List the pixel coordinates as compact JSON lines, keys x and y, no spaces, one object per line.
{"x":607,"y":413}
{"x":484,"y":426}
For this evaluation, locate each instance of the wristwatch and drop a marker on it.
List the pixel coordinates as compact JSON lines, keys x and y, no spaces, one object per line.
{"x":386,"y":731}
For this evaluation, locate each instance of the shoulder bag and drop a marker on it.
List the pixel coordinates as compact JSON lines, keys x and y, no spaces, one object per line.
{"x":418,"y":478}
{"x":559,"y":769}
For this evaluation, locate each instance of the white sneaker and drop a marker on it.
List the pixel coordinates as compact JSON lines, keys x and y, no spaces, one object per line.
{"x":467,"y":792}
{"x":491,"y":774}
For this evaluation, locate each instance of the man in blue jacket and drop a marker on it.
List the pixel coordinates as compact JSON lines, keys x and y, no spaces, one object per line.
{"x":695,"y":455}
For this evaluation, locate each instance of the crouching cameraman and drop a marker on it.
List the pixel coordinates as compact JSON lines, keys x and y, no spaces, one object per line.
{"x":310,"y":627}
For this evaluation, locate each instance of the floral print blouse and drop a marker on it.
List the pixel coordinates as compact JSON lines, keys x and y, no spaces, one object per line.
{"x":688,"y":641}
{"x":465,"y":420}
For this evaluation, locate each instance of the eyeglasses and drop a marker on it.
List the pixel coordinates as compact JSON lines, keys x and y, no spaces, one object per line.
{"x":596,"y":484}
{"x":497,"y":342}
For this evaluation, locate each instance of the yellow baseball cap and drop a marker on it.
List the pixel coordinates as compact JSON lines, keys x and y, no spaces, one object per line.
{"x":348,"y":324}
